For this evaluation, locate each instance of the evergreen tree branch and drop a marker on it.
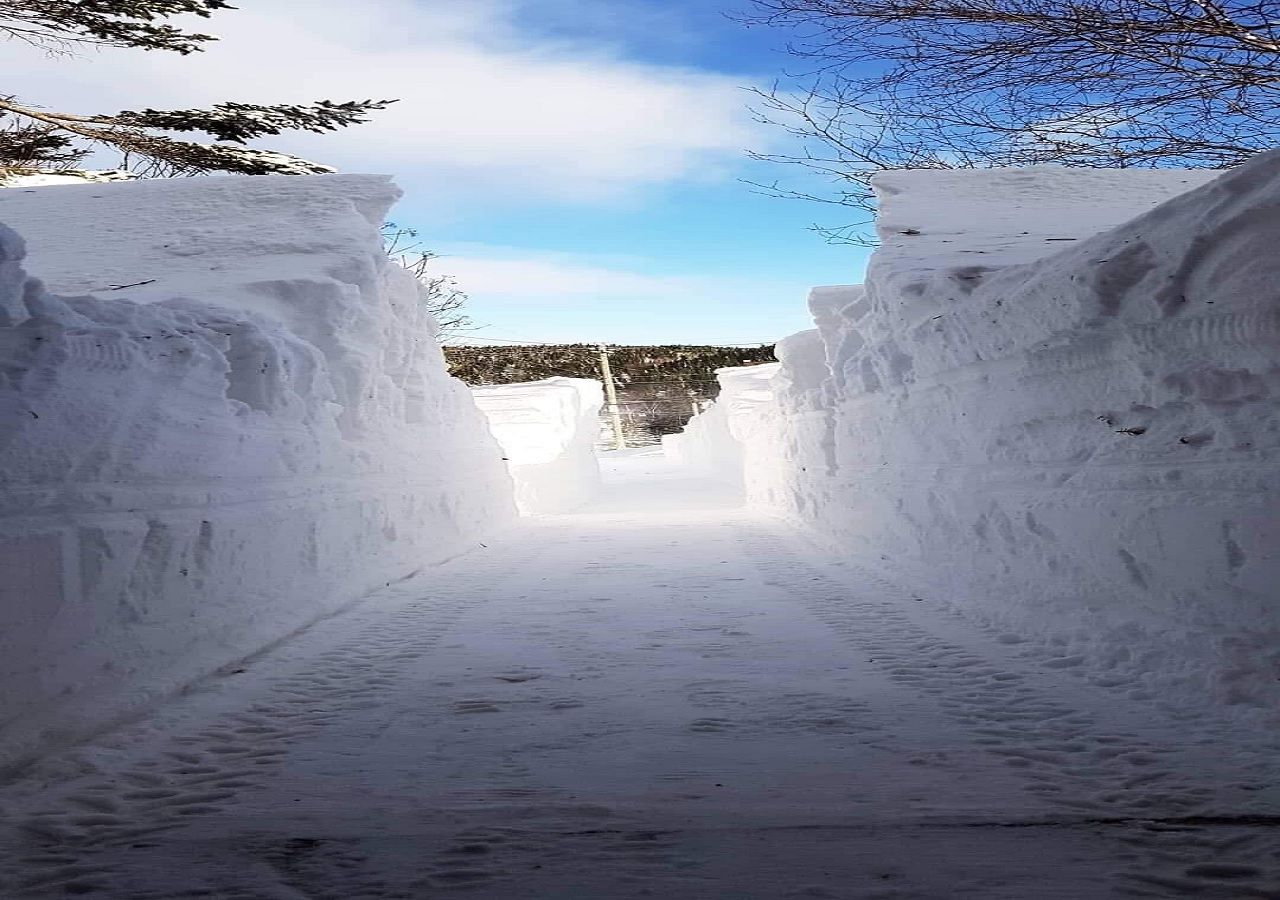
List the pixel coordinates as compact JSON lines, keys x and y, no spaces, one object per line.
{"x":179,"y":157}
{"x":44,"y":138}
{"x":116,"y":23}
{"x":239,"y":122}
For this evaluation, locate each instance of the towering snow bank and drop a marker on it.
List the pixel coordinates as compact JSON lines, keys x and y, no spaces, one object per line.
{"x":547,"y":430}
{"x":222,"y":415}
{"x":1082,"y":445}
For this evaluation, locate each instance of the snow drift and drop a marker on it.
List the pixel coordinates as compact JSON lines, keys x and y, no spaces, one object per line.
{"x":225,"y":414}
{"x":547,"y":430}
{"x":1080,"y":446}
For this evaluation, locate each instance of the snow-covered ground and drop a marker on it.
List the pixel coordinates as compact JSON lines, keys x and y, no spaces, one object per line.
{"x":1079,"y":446}
{"x":223,"y":414}
{"x":547,"y":430}
{"x":662,"y":695}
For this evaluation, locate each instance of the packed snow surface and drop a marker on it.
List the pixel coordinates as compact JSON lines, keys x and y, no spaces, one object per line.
{"x":662,"y":695}
{"x":1079,"y":446}
{"x":547,"y":430}
{"x":225,"y":414}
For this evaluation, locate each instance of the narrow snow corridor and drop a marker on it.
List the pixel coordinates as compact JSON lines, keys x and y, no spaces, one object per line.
{"x":665,"y":696}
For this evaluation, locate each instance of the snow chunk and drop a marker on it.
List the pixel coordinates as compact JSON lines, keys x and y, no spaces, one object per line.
{"x":547,"y":430}
{"x":716,"y":440}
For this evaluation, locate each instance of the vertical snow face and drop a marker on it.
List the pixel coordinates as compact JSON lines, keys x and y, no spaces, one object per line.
{"x":224,"y":414}
{"x":547,"y":430}
{"x":1080,"y":445}
{"x":742,"y":421}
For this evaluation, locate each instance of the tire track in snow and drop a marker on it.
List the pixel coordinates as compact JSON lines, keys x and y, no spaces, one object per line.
{"x":120,"y":799}
{"x":1019,"y":712}
{"x":1146,"y":784}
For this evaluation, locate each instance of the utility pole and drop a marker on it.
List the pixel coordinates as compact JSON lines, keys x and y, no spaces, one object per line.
{"x":611,"y":394}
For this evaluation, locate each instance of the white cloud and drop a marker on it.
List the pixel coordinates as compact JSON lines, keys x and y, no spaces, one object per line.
{"x":484,"y":109}
{"x":529,"y":295}
{"x":543,"y":277}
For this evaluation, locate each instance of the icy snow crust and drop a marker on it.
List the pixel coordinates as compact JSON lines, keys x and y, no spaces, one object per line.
{"x":256,"y":432}
{"x":1079,"y":446}
{"x":547,"y":430}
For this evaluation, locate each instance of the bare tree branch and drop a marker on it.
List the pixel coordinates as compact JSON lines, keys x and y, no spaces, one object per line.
{"x":443,"y":298}
{"x":956,"y":83}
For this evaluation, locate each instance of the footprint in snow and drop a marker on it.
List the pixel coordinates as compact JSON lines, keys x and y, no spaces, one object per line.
{"x":518,"y":677}
{"x":475,"y":706}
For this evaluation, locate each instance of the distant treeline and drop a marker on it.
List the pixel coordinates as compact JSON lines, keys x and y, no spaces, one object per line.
{"x":521,"y":362}
{"x":658,"y":386}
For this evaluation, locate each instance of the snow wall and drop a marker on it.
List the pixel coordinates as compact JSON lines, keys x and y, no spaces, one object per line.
{"x":223,"y":415}
{"x":1080,"y":447}
{"x":717,"y":440}
{"x":547,"y":430}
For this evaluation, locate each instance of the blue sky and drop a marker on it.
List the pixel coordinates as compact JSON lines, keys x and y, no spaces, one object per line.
{"x":752,"y":257}
{"x":578,"y":164}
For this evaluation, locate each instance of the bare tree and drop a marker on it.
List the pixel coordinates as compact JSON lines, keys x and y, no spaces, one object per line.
{"x":34,"y":139}
{"x":444,"y":300}
{"x":957,"y":83}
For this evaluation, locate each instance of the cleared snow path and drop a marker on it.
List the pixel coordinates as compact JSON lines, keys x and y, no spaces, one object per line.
{"x":663,"y":696}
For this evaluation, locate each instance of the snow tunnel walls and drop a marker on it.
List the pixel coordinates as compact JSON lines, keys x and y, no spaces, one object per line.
{"x":1078,"y":446}
{"x":225,"y":414}
{"x":547,"y":430}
